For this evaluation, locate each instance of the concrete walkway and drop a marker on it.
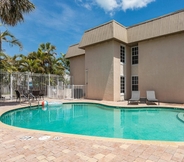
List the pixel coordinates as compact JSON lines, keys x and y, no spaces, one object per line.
{"x":18,"y":145}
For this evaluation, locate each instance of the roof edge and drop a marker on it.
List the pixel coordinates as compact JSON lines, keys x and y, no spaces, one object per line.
{"x":104,"y":25}
{"x":160,"y":17}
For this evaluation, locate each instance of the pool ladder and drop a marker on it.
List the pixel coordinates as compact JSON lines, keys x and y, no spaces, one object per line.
{"x":31,"y":104}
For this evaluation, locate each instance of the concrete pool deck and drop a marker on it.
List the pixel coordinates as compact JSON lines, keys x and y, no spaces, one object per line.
{"x":19,"y":145}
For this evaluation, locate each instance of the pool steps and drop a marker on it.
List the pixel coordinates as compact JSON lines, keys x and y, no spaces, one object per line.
{"x":181,"y":116}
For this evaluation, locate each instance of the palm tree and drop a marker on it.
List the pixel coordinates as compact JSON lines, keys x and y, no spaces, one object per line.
{"x":28,"y":64}
{"x":48,"y":48}
{"x":48,"y":52}
{"x":65,"y":63}
{"x":7,"y":63}
{"x":57,"y":67}
{"x":6,"y":36}
{"x":2,"y":57}
{"x":11,"y":11}
{"x":43,"y":60}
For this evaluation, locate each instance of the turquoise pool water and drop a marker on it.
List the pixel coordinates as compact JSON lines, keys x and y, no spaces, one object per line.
{"x":103,"y":121}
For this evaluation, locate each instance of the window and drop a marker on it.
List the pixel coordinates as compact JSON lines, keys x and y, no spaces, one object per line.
{"x":135,"y":55}
{"x":122,"y":84}
{"x":122,"y":54}
{"x":135,"y":83}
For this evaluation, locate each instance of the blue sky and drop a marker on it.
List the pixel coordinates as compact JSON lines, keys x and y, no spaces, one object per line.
{"x":63,"y":22}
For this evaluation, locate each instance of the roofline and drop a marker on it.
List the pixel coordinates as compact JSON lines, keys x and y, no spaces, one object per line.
{"x":126,"y":28}
{"x":144,"y":22}
{"x":74,"y":45}
{"x":75,"y":56}
{"x":104,"y":25}
{"x":160,"y":17}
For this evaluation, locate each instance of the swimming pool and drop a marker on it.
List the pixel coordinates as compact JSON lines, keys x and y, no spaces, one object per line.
{"x":104,"y":121}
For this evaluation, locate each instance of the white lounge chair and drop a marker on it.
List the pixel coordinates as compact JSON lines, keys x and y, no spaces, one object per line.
{"x":151,"y":96}
{"x":135,"y":97}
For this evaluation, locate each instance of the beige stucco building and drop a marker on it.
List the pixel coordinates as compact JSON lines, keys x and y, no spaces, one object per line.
{"x":112,"y":60}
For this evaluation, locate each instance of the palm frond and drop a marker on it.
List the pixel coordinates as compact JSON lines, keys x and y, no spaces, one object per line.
{"x":11,"y":11}
{"x":12,"y":41}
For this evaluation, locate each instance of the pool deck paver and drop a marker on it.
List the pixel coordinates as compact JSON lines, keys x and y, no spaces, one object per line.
{"x":23,"y":145}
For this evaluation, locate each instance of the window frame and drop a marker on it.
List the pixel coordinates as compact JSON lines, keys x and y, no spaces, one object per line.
{"x":122,"y":86}
{"x":135,"y":55}
{"x":135,"y":84}
{"x":121,"y":54}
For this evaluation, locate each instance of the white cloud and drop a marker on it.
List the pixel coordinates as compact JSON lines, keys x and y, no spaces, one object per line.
{"x":107,"y":5}
{"x":112,"y":5}
{"x":133,"y":4}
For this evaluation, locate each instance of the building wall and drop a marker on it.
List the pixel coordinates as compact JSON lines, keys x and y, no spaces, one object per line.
{"x":104,"y":69}
{"x":99,"y":64}
{"x":121,"y":69}
{"x":117,"y":70}
{"x":77,"y":69}
{"x":161,"y":64}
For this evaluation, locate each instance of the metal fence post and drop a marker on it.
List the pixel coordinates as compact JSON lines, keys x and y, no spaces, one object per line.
{"x":49,"y":87}
{"x":11,"y":86}
{"x":28,"y":81}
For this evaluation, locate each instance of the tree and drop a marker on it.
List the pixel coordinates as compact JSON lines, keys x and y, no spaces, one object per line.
{"x":57,"y":67}
{"x":28,"y":64}
{"x":11,"y":11}
{"x":2,"y":57}
{"x":6,"y":36}
{"x":48,"y":48}
{"x":65,"y":63}
{"x":39,"y":58}
{"x":7,"y":63}
{"x":44,"y":61}
{"x":48,"y":54}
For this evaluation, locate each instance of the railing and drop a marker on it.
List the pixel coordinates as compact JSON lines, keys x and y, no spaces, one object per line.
{"x":66,"y":92}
